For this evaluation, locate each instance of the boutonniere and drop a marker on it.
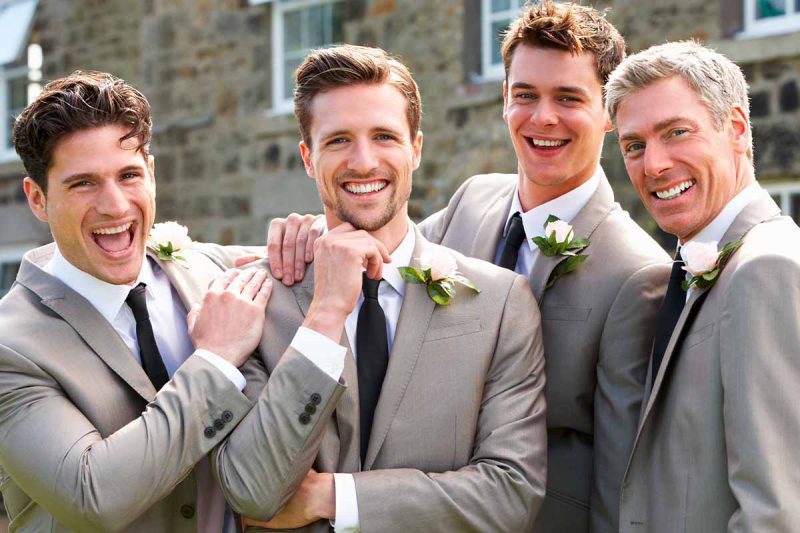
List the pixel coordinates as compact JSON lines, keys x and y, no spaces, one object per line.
{"x":560,"y":240}
{"x":168,"y":240}
{"x":439,"y":273}
{"x":704,"y":263}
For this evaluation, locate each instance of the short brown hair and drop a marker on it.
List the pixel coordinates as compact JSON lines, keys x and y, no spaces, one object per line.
{"x":568,"y":27}
{"x":80,"y":101}
{"x":339,"y":66}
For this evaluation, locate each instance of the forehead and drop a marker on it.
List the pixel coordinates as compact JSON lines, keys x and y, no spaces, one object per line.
{"x":359,"y":107}
{"x":94,"y":151}
{"x":653,"y":105}
{"x":542,"y":66}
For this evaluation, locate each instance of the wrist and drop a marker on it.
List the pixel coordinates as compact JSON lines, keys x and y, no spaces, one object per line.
{"x":326,"y":502}
{"x":325,"y":321}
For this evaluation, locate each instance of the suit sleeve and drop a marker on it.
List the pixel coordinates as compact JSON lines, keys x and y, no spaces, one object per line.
{"x":503,"y":485}
{"x":224,"y":256}
{"x":759,"y":340}
{"x":625,"y":348}
{"x":263,"y":461}
{"x":56,"y":455}
{"x":435,"y":227}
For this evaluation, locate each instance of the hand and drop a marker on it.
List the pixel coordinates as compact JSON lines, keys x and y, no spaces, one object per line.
{"x":230,"y":319}
{"x":342,"y":254}
{"x":315,"y":499}
{"x":290,"y":245}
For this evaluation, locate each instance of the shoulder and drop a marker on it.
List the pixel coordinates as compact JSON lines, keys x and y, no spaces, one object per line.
{"x":487,"y":187}
{"x":770,"y":252}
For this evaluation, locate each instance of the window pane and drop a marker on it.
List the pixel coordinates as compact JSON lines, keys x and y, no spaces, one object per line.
{"x":500,"y":5}
{"x":289,"y":66}
{"x":337,"y":31}
{"x":497,"y":31}
{"x":8,"y":273}
{"x":18,"y":92}
{"x":317,"y":16}
{"x":770,"y":8}
{"x":777,"y":199}
{"x":795,"y":207}
{"x":292,"y":35}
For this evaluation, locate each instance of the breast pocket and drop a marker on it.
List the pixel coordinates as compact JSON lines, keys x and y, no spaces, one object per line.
{"x":565,"y":313}
{"x":453,"y":329}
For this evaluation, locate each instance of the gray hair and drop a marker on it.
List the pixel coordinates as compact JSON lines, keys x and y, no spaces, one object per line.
{"x":718,"y":81}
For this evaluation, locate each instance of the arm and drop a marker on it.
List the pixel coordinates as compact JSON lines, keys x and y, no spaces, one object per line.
{"x":625,"y":348}
{"x":503,"y":486}
{"x":759,"y":339}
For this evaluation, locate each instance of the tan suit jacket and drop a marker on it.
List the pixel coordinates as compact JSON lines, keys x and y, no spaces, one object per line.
{"x":85,"y":442}
{"x":717,"y":447}
{"x":458,"y":440}
{"x":598,"y":327}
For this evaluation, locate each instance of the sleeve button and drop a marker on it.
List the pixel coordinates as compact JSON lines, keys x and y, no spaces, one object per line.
{"x":227,"y":416}
{"x":210,"y":432}
{"x":311,"y":408}
{"x":219,"y":424}
{"x":316,"y":399}
{"x":304,"y":418}
{"x":187,"y":511}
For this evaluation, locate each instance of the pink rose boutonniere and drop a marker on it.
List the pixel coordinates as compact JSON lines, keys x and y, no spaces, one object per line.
{"x":560,"y":240}
{"x":704,"y":262}
{"x":438,"y":271}
{"x":168,"y":240}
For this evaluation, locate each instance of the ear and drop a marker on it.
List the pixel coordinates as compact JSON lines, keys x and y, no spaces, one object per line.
{"x":151,"y":166}
{"x":37,"y":199}
{"x":608,"y":126}
{"x":305,"y":153}
{"x":740,"y":130}
{"x":505,"y":101}
{"x":416,"y":146}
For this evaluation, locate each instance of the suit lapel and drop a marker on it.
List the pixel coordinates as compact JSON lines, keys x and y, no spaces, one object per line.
{"x":490,"y":230}
{"x":412,"y":324}
{"x":585,"y":222}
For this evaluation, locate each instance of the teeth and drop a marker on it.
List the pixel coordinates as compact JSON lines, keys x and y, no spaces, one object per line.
{"x":543,"y":142}
{"x":674,"y":192}
{"x":114,"y":230}
{"x":364,"y":188}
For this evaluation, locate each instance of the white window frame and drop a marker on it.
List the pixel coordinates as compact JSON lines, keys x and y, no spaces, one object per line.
{"x":7,"y":152}
{"x":753,"y":27}
{"x":489,"y":70}
{"x":784,"y":190}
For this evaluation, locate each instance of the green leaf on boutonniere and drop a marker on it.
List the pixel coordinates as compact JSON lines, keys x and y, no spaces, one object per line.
{"x":458,"y":278}
{"x":411,"y":274}
{"x":565,"y":267}
{"x":441,"y":291}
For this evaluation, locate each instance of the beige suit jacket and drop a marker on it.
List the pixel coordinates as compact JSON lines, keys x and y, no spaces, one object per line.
{"x":717,"y":445}
{"x":598,"y":326}
{"x":85,"y":442}
{"x":458,"y":440}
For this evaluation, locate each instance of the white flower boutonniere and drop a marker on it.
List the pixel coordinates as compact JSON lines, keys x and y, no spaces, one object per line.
{"x":168,"y":240}
{"x":560,"y":240}
{"x":439,"y":273}
{"x":704,"y":263}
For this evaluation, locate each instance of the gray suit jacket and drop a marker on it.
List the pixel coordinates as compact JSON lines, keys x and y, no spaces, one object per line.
{"x":714,"y":448}
{"x":458,"y":440}
{"x":598,"y":326}
{"x":85,"y":442}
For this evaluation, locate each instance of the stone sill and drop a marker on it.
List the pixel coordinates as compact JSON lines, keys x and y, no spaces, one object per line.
{"x":759,"y":50}
{"x":477,"y":95}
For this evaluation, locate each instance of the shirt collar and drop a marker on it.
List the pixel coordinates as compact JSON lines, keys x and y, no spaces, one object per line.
{"x":715,"y":230}
{"x":566,"y":207}
{"x":105,"y":297}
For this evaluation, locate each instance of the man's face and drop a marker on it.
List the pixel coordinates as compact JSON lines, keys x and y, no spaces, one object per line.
{"x":556,"y":118}
{"x":362,"y":155}
{"x":100,"y":202}
{"x":684,"y":168}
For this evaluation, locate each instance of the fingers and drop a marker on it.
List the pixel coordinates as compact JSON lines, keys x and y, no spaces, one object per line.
{"x":317,"y":228}
{"x":237,"y":285}
{"x":245,"y":259}
{"x":262,"y":296}
{"x":275,"y":245}
{"x":222,"y":281}
{"x":289,"y":246}
{"x":252,"y":287}
{"x":192,"y":316}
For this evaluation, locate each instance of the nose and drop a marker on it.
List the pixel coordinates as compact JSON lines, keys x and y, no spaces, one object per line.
{"x":363,"y":158}
{"x":544,"y":114}
{"x":656,"y":160}
{"x":112,"y":200}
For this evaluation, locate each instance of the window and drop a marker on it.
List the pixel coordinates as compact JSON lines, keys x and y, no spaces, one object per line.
{"x":770,"y":17}
{"x":297,"y":27}
{"x":10,"y":257}
{"x":496,"y":15}
{"x":787,"y":196}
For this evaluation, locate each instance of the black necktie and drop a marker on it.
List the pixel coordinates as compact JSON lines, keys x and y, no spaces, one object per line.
{"x":667,"y":317}
{"x":151,"y":358}
{"x":514,"y":238}
{"x":372,"y":357}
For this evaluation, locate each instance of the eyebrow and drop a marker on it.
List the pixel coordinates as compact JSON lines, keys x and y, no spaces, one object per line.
{"x":561,"y":89}
{"x":72,"y":178}
{"x":663,"y":124}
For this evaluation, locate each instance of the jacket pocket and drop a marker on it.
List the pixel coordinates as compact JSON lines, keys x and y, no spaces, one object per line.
{"x":563,"y":312}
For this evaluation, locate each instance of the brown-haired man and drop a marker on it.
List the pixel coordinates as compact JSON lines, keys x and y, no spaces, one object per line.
{"x":442,"y":425}
{"x":108,"y":404}
{"x":598,"y":321}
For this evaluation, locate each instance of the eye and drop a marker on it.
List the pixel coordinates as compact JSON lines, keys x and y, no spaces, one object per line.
{"x":568,"y":98}
{"x":336,"y":140}
{"x":80,"y":184}
{"x":634,"y":147}
{"x":678,"y":131}
{"x":385,"y":137}
{"x":129,"y":176}
{"x":525,"y":96}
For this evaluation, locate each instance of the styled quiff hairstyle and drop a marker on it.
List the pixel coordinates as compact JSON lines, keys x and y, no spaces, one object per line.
{"x":340,"y":66}
{"x":569,"y":27}
{"x":718,"y":81}
{"x":82,"y":100}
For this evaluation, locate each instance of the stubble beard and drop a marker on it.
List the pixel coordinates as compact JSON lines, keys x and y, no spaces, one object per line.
{"x":362,"y":221}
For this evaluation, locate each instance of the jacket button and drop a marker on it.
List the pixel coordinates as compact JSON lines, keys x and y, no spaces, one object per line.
{"x":311,"y":408}
{"x":304,"y":418}
{"x":227,"y":416}
{"x":316,"y":399}
{"x":210,"y":432}
{"x":187,"y":511}
{"x":219,"y":424}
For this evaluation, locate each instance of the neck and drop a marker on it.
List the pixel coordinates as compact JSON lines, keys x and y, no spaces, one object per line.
{"x":532,"y":195}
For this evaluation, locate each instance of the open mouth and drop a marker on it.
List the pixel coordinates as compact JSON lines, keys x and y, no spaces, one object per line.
{"x":360,"y":188}
{"x":114,"y":239}
{"x":547,"y":144}
{"x":674,"y":192}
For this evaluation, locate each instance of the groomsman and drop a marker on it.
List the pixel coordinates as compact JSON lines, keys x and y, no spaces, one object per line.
{"x":108,"y":403}
{"x":598,"y":321}
{"x":716,"y":448}
{"x":442,"y":425}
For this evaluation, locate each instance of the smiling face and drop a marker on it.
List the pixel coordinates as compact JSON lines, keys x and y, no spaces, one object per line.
{"x":684,"y":168}
{"x":362,"y":155}
{"x":553,"y":105}
{"x":100,"y":202}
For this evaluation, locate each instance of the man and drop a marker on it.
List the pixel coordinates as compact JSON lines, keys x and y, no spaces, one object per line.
{"x":108,"y":406}
{"x":598,"y":321}
{"x":442,"y":426}
{"x":714,"y":447}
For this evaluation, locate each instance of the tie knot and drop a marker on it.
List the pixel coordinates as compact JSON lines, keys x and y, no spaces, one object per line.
{"x":516,"y":231}
{"x":677,"y":267}
{"x":370,"y":287}
{"x":137,"y":301}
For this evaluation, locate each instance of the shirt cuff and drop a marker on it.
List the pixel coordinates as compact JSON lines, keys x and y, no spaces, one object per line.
{"x":320,"y":350}
{"x":230,"y":371}
{"x":346,"y":504}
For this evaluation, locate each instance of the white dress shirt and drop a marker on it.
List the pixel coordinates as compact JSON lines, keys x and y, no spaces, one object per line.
{"x":566,"y":207}
{"x":715,"y":230}
{"x":390,"y":296}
